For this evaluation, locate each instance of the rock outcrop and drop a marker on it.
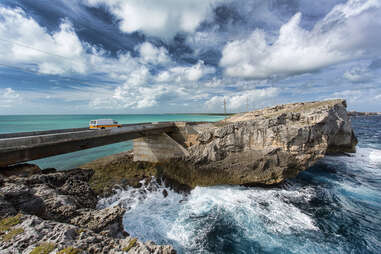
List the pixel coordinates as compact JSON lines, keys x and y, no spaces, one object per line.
{"x":269,"y":145}
{"x":262,"y":147}
{"x":56,"y":210}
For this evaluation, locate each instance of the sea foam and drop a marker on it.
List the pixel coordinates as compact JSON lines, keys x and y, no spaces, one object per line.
{"x":189,"y":221}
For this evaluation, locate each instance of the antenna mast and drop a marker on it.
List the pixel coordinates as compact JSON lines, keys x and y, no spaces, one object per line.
{"x":224,"y":106}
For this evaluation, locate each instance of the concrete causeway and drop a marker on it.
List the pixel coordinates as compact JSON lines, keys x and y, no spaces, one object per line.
{"x":27,"y":146}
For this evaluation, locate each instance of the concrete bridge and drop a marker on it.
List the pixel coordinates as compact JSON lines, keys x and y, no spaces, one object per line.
{"x":152,"y":142}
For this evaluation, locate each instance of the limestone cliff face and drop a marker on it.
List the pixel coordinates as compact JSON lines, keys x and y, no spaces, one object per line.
{"x":267,"y":146}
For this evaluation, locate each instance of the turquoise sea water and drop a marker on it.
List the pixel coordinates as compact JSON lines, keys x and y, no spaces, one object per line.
{"x":22,"y":123}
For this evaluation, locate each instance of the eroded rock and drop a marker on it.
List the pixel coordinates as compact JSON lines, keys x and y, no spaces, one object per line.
{"x":34,"y":232}
{"x":107,"y":221}
{"x":262,"y":147}
{"x":56,"y":210}
{"x":267,"y":146}
{"x":55,"y":196}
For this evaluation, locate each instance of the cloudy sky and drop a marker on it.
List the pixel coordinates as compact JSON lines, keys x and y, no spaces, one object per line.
{"x":167,"y":56}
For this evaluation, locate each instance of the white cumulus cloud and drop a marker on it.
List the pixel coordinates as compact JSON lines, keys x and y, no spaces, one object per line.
{"x":25,"y":41}
{"x":8,"y":97}
{"x":345,"y":33}
{"x":358,"y":75}
{"x":151,"y":54}
{"x":27,"y":44}
{"x":162,"y":18}
{"x":185,"y":74}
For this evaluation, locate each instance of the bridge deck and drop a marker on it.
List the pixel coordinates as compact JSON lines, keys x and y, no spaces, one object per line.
{"x":22,"y":147}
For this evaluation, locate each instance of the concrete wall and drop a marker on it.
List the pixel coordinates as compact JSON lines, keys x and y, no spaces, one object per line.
{"x":172,"y":144}
{"x":156,"y":148}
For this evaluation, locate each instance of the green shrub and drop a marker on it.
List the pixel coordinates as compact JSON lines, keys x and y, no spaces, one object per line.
{"x":8,"y":236}
{"x":69,"y":250}
{"x":131,"y":244}
{"x":7,"y":223}
{"x":44,"y":248}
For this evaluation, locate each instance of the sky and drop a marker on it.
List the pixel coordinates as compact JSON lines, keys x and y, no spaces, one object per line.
{"x":186,"y":56}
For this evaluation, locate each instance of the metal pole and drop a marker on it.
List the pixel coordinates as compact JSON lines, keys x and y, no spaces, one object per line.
{"x":224,"y":106}
{"x":225,"y":109}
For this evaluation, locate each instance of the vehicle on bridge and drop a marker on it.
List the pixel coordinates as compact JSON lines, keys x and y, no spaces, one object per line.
{"x":103,"y":124}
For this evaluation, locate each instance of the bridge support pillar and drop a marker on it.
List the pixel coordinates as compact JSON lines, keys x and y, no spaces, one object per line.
{"x":158,"y":148}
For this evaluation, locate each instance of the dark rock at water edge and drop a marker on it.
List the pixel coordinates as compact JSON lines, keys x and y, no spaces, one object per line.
{"x":56,"y":210}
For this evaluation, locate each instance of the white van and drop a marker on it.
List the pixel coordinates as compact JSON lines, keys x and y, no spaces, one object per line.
{"x":103,"y":124}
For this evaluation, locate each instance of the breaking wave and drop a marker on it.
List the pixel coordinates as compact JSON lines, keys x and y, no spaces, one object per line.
{"x":196,"y":222}
{"x":333,"y":207}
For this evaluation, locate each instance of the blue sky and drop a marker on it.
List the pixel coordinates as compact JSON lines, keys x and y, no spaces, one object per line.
{"x":168,"y":56}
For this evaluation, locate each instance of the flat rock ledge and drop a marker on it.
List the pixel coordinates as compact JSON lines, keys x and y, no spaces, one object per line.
{"x":54,"y":212}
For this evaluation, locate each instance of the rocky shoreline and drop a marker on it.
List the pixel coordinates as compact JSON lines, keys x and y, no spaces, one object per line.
{"x":55,"y":212}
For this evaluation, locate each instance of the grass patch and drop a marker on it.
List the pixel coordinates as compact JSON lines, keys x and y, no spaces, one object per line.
{"x":9,"y":236}
{"x":81,"y":230}
{"x":118,"y":169}
{"x":131,"y":244}
{"x":7,"y":223}
{"x":70,"y":250}
{"x":44,"y":248}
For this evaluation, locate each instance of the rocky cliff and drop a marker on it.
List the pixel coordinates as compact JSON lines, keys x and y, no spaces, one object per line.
{"x":48,"y":211}
{"x":262,"y":147}
{"x":265,"y":146}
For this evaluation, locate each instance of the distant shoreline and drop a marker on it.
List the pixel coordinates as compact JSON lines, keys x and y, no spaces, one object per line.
{"x":202,"y":114}
{"x":195,"y":114}
{"x":355,"y":113}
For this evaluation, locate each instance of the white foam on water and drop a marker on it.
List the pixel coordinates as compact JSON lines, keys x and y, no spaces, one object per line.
{"x":364,"y":163}
{"x":186,"y":221}
{"x":375,"y":156}
{"x":368,"y":159}
{"x":257,"y":213}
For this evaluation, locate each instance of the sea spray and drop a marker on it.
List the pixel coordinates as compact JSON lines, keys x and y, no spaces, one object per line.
{"x":333,"y":207}
{"x":191,"y":222}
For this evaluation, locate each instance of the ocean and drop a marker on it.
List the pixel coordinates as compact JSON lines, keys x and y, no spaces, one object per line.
{"x":22,"y":123}
{"x":333,"y":207}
